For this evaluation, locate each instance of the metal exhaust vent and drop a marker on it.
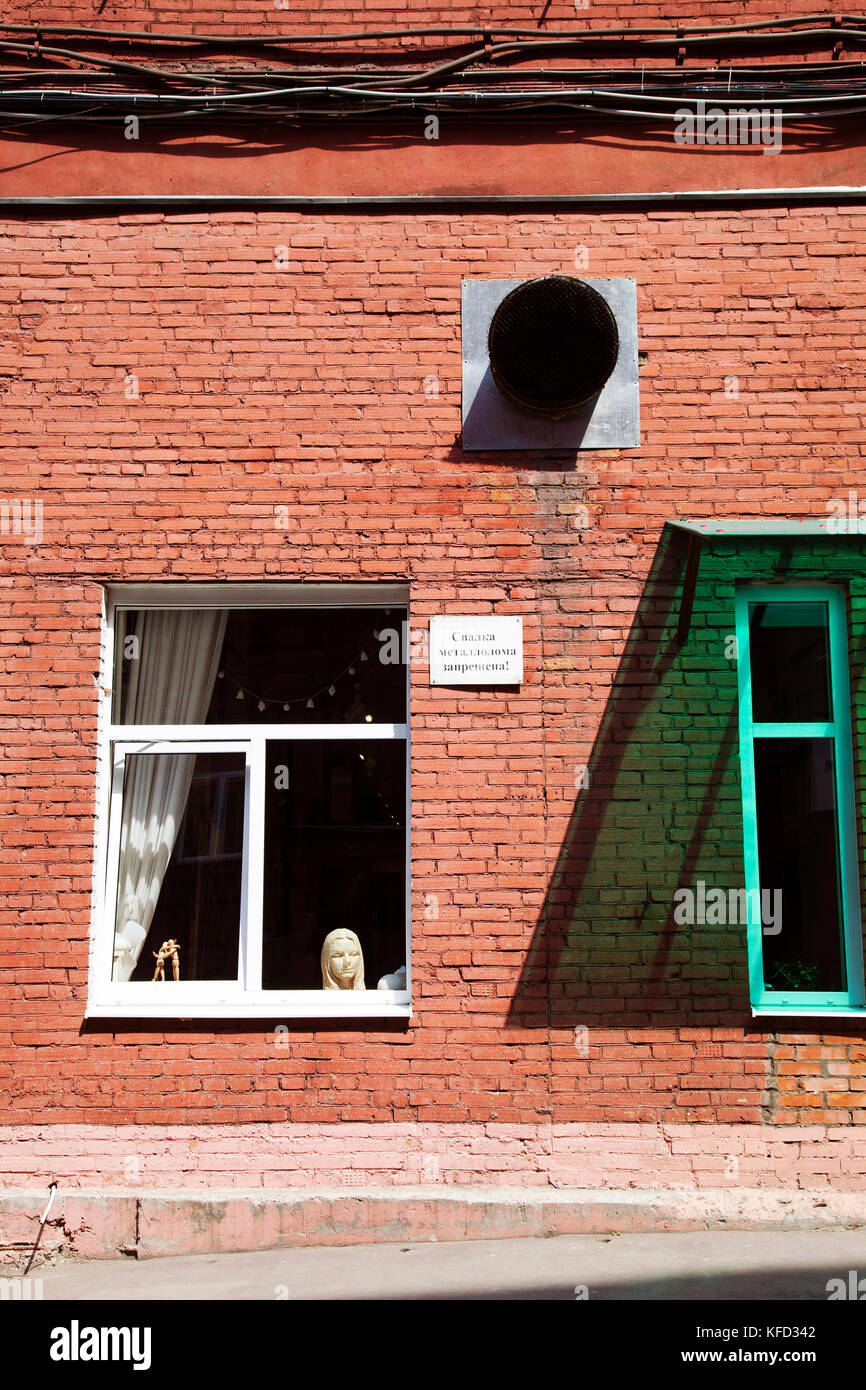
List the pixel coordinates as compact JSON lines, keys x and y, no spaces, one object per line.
{"x":550,"y":363}
{"x":552,"y":345}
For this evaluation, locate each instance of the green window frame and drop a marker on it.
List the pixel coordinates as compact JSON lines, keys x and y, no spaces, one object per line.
{"x":837,"y":729}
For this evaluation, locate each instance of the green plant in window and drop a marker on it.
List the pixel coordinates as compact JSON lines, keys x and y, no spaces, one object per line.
{"x":793,"y":974}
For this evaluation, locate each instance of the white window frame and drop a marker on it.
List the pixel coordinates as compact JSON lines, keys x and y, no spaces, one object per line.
{"x":244,"y":997}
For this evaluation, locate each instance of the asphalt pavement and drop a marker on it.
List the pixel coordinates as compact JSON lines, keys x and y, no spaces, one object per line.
{"x":694,"y":1265}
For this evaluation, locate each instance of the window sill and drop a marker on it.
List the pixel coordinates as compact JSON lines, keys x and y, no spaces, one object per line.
{"x":273,"y":1006}
{"x":807,"y":1011}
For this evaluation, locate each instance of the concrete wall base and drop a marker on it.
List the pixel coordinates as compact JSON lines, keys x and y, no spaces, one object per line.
{"x":99,"y":1224}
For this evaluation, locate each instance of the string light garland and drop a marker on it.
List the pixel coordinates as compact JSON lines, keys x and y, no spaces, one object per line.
{"x":308,"y":701}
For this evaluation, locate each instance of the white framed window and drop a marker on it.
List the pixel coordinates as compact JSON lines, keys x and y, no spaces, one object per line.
{"x":252,"y":832}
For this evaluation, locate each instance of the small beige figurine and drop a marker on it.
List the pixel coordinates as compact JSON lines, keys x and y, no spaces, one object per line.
{"x":342,"y":961}
{"x":169,"y":950}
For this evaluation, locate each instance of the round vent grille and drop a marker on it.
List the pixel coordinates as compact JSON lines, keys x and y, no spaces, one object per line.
{"x":552,"y":345}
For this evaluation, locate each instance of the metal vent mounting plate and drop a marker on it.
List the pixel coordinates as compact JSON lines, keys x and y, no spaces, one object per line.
{"x":612,"y":421}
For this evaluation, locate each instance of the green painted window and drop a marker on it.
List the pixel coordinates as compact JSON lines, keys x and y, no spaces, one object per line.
{"x":796,"y":763}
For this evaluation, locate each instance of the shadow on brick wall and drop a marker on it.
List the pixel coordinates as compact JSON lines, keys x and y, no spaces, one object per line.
{"x":661,"y":810}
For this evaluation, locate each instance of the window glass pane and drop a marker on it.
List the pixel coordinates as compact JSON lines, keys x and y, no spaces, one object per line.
{"x":335,"y":850}
{"x":798,"y":854}
{"x":789,"y":645}
{"x":261,"y":666}
{"x":181,"y":858}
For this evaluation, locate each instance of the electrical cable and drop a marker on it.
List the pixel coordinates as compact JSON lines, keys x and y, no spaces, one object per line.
{"x":809,"y":92}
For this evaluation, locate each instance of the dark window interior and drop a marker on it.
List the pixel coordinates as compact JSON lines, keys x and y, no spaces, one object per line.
{"x":790,"y":662}
{"x":290,"y":659}
{"x":798,"y":852}
{"x":334,"y":811}
{"x":334,"y":856}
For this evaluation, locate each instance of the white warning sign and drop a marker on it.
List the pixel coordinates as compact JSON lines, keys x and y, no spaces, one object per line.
{"x":476,"y":651}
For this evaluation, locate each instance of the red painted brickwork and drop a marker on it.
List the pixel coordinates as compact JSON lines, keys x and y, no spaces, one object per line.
{"x":813,"y":1077}
{"x":279,"y":1156}
{"x":262,"y":16}
{"x":304,"y":388}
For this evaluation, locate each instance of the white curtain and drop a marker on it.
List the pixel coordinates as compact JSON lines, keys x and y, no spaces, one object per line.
{"x":171,"y":667}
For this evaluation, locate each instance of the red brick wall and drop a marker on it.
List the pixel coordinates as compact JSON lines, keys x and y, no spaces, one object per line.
{"x":814,"y":1077}
{"x":304,"y":388}
{"x":262,"y":15}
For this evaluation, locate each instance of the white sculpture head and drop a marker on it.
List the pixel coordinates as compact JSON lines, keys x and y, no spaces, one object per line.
{"x":342,"y":961}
